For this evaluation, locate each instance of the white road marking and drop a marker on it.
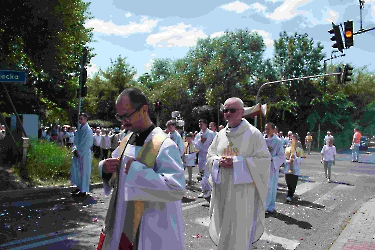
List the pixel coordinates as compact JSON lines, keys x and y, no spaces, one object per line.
{"x":305,"y":187}
{"x":197,"y":204}
{"x":58,"y":236}
{"x":286,"y":243}
{"x":330,"y":196}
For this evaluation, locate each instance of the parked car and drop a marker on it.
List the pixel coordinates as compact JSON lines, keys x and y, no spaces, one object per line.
{"x":363,"y":144}
{"x":371,"y":142}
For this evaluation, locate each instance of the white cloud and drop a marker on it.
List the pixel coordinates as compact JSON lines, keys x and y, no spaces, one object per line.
{"x":258,"y":7}
{"x":287,"y":10}
{"x":135,"y":76}
{"x":92,"y":69}
{"x":217,"y":34}
{"x":144,"y":26}
{"x":236,"y":6}
{"x":266,"y":37}
{"x":128,"y":14}
{"x":332,"y":16}
{"x":149,"y":64}
{"x":180,"y":35}
{"x":153,"y":54}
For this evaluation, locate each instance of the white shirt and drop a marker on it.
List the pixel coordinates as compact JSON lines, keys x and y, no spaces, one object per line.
{"x":106,"y":142}
{"x":97,"y":139}
{"x":328,"y":152}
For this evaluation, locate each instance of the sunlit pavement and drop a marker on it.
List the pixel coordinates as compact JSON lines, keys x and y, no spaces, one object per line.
{"x":313,"y":221}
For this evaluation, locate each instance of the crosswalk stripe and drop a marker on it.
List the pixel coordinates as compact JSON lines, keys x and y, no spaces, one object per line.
{"x":286,"y":243}
{"x":330,"y":196}
{"x":305,"y":187}
{"x":200,"y":203}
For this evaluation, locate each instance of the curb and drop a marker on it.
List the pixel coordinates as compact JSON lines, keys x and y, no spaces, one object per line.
{"x":31,"y":195}
{"x":350,"y":230}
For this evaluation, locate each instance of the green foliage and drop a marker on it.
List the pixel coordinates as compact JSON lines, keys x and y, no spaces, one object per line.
{"x":49,"y":164}
{"x":105,"y":87}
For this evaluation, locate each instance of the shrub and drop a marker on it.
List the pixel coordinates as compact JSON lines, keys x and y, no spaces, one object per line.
{"x":49,"y":164}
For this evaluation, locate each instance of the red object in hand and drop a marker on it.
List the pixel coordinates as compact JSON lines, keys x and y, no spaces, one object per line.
{"x":125,"y":243}
{"x":101,"y":240}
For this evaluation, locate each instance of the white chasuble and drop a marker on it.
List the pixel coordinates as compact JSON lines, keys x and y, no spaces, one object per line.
{"x":160,"y":188}
{"x":237,"y":207}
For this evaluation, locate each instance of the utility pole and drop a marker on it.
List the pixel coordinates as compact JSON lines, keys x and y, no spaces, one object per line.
{"x":82,"y":90}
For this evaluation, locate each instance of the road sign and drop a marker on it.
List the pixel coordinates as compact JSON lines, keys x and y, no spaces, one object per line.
{"x":12,"y":76}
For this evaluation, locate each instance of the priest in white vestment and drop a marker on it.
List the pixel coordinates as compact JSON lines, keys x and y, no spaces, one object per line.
{"x":80,"y":170}
{"x":202,"y":142}
{"x":276,"y":149}
{"x":158,"y":188}
{"x":175,"y":136}
{"x":239,"y":161}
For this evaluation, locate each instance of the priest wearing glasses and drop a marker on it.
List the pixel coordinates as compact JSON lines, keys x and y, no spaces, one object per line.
{"x":239,"y":162}
{"x":145,"y":211}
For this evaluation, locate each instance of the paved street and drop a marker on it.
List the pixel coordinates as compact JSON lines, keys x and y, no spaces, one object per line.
{"x":313,"y":221}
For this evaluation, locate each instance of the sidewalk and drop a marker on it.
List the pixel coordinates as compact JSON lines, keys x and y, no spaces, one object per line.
{"x":359,"y":234}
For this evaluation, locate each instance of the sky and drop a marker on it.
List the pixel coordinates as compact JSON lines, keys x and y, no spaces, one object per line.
{"x":145,"y":30}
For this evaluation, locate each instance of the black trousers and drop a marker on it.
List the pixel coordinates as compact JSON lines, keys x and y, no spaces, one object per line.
{"x":105,"y":153}
{"x":291,"y":181}
{"x":96,"y":150}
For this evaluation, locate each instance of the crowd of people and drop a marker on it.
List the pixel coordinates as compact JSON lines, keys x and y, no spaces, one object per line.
{"x":145,"y":164}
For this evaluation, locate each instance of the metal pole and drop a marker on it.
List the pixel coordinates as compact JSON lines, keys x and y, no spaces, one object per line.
{"x":361,"y":2}
{"x":319,"y":137}
{"x":286,"y":80}
{"x":157,"y":119}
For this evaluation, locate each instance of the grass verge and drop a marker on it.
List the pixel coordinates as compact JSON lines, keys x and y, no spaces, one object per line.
{"x":48,"y":164}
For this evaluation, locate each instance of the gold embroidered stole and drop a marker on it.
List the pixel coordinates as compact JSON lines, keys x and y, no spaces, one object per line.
{"x":147,"y":156}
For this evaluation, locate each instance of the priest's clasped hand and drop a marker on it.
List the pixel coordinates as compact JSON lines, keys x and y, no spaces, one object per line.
{"x":203,"y":140}
{"x":226,"y":162}
{"x":110,"y":165}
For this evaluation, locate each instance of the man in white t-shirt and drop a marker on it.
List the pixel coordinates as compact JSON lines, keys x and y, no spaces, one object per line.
{"x":69,"y":137}
{"x":328,"y":158}
{"x":97,"y":142}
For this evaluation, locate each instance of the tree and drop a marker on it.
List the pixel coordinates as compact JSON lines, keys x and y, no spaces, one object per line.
{"x":105,"y":86}
{"x":47,"y":43}
{"x":296,"y":56}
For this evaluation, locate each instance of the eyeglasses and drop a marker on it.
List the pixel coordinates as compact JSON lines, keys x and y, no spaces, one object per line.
{"x":121,"y":118}
{"x":229,"y":110}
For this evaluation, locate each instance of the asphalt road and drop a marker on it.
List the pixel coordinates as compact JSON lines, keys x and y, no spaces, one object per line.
{"x":313,"y":221}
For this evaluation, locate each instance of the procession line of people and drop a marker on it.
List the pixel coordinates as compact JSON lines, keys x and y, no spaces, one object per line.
{"x":145,"y":174}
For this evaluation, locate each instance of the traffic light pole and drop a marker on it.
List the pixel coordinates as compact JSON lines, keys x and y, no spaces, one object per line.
{"x":79,"y":97}
{"x":286,"y":80}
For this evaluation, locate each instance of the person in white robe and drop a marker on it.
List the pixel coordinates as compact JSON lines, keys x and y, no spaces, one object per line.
{"x":80,"y":170}
{"x":212,"y":127}
{"x":189,"y":157}
{"x":239,"y":161}
{"x":175,"y":136}
{"x":145,"y":210}
{"x":276,"y":149}
{"x":202,"y":142}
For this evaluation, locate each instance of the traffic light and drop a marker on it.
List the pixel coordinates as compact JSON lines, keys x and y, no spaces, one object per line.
{"x":336,"y":37}
{"x":84,"y":57}
{"x":158,"y":106}
{"x":83,"y":75}
{"x":348,"y":27}
{"x":338,"y":77}
{"x":347,"y":73}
